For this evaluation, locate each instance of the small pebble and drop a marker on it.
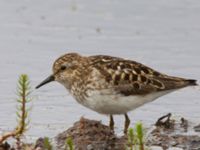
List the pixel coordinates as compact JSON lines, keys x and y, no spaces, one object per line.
{"x":174,"y":148}
{"x":156,"y":148}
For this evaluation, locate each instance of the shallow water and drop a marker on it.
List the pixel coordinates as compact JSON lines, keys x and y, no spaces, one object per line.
{"x":163,"y":34}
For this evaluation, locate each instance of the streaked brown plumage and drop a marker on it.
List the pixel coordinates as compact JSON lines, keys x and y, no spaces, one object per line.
{"x":112,"y":85}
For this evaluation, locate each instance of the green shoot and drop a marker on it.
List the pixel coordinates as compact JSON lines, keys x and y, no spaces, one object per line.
{"x":131,"y":138}
{"x":140,"y":135}
{"x":135,"y":138}
{"x":47,"y":144}
{"x":23,"y":92}
{"x":69,"y":144}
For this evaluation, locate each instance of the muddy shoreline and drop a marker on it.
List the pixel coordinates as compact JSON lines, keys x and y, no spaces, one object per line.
{"x":167,"y":133}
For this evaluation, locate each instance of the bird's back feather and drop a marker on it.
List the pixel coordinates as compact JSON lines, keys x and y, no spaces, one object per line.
{"x":132,"y":78}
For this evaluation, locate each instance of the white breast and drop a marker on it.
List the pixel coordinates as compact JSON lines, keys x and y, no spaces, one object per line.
{"x":106,"y":102}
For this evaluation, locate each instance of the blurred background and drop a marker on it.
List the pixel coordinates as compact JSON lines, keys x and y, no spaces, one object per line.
{"x":163,"y":34}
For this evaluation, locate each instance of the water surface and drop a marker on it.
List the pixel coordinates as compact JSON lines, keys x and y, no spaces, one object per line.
{"x":163,"y":34}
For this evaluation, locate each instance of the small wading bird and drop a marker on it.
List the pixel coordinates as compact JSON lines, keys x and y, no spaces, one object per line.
{"x":111,"y":85}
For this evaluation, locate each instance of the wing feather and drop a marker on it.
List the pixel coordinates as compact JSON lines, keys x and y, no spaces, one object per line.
{"x":132,"y":78}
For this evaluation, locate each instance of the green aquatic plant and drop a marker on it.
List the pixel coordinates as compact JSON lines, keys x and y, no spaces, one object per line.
{"x":140,"y":135}
{"x":131,"y":141}
{"x":136,"y":138}
{"x":69,"y":144}
{"x":47,"y":144}
{"x":23,"y":92}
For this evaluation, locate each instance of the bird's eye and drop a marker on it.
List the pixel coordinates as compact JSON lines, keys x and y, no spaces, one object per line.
{"x":62,"y":67}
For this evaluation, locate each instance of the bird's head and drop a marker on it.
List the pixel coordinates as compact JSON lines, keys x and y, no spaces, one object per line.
{"x":65,"y":70}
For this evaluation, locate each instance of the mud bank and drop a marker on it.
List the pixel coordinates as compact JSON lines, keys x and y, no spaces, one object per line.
{"x":167,"y":134}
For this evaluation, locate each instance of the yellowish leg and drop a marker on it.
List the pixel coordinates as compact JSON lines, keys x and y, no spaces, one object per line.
{"x":127,"y":123}
{"x":111,"y":122}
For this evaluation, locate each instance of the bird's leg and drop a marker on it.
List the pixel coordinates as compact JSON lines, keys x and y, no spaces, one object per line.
{"x":111,"y":122}
{"x":127,"y":122}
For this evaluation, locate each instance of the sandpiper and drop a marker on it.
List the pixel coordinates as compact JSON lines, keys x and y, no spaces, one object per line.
{"x":111,"y":85}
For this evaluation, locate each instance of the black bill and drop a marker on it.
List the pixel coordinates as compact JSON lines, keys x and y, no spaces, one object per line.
{"x":47,"y":80}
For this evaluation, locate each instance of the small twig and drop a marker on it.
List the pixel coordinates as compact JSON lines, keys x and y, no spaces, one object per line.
{"x":162,"y":122}
{"x":7,"y":135}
